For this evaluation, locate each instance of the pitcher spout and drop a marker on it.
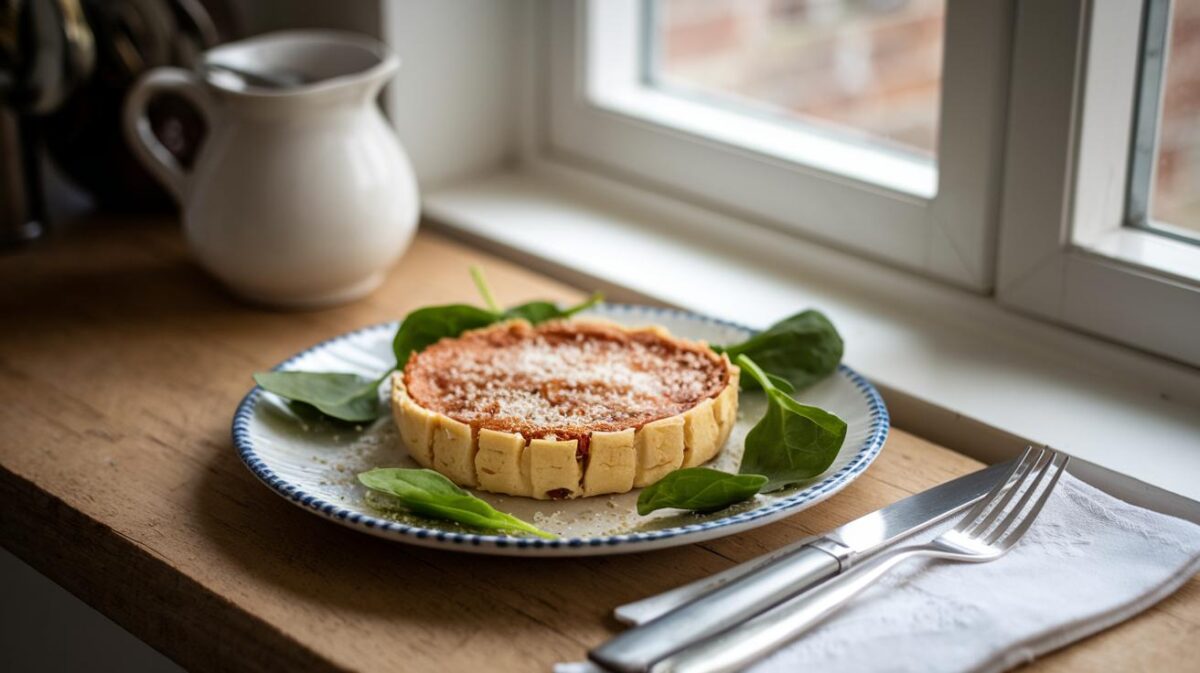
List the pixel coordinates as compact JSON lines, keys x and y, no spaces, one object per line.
{"x":317,"y":64}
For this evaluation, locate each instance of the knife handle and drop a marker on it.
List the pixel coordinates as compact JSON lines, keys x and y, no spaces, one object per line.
{"x":637,"y":649}
{"x":738,"y":648}
{"x":653,"y":607}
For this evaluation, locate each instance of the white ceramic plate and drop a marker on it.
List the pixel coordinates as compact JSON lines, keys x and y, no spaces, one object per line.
{"x":313,"y":462}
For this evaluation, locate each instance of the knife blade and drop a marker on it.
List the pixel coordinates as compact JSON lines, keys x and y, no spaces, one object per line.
{"x":678,"y":618}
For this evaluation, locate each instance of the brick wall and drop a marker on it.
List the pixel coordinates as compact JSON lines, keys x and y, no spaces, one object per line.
{"x":872,"y":66}
{"x":1177,"y":190}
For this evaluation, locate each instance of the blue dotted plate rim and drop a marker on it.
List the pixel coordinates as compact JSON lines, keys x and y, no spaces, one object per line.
{"x":866,"y":454}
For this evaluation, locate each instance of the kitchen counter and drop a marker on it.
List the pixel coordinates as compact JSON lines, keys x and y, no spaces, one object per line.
{"x":121,"y":364}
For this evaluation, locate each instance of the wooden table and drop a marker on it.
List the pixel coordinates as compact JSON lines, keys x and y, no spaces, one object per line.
{"x":120,"y":367}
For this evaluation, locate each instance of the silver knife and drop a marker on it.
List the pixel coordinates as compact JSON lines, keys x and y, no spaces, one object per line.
{"x":696,"y":611}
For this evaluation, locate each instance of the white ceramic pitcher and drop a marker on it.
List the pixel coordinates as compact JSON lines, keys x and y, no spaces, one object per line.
{"x":300,"y":194}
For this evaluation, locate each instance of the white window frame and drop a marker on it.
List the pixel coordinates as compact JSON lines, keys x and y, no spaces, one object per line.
{"x":880,"y":206}
{"x":1067,"y":251}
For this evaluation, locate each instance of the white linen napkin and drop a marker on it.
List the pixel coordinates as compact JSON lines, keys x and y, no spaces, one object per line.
{"x":1088,"y":562}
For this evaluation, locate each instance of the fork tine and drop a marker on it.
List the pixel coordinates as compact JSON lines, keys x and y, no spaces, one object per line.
{"x":1017,"y":469}
{"x":1002,"y":503}
{"x":1031,"y":483}
{"x":1006,"y":530}
{"x":1015,"y":534}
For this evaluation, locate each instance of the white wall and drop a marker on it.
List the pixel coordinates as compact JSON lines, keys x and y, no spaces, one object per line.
{"x":454,"y":102}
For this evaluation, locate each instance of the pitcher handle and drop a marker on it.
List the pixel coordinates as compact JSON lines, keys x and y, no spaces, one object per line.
{"x":140,"y":136}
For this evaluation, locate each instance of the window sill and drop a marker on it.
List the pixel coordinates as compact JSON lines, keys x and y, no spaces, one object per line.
{"x":955,"y":367}
{"x":1148,"y":250}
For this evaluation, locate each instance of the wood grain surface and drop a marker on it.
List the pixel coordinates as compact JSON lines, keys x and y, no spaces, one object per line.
{"x":121,"y":364}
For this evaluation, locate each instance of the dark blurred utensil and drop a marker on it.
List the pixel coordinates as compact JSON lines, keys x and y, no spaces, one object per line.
{"x":84,"y":136}
{"x":21,"y":209}
{"x":46,"y":50}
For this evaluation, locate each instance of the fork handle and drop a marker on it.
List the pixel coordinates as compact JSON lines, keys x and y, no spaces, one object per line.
{"x":758,"y":637}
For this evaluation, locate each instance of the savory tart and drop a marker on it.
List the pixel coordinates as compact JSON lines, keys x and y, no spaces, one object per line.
{"x":564,"y":409}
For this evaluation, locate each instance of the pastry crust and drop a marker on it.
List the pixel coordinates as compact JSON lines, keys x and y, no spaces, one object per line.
{"x":613,"y":460}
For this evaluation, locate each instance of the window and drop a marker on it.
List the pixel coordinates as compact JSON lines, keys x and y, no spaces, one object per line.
{"x":1085,"y":128}
{"x":868,"y":71}
{"x":1044,"y":152}
{"x":1164,"y":189}
{"x":915,"y":184}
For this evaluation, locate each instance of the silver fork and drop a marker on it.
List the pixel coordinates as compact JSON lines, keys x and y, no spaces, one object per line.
{"x":989,"y":530}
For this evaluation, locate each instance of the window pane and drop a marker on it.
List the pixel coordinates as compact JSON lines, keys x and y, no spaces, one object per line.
{"x":1176,"y":195}
{"x":868,"y":69}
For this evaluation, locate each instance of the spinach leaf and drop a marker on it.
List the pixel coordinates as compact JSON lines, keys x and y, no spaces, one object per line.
{"x":780,"y":383}
{"x":348,"y":397}
{"x":793,"y":441}
{"x":541,"y":311}
{"x":425,"y":326}
{"x":429,"y":493}
{"x":803,"y":349}
{"x":699,"y":489}
{"x":535,"y":311}
{"x":485,"y":290}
